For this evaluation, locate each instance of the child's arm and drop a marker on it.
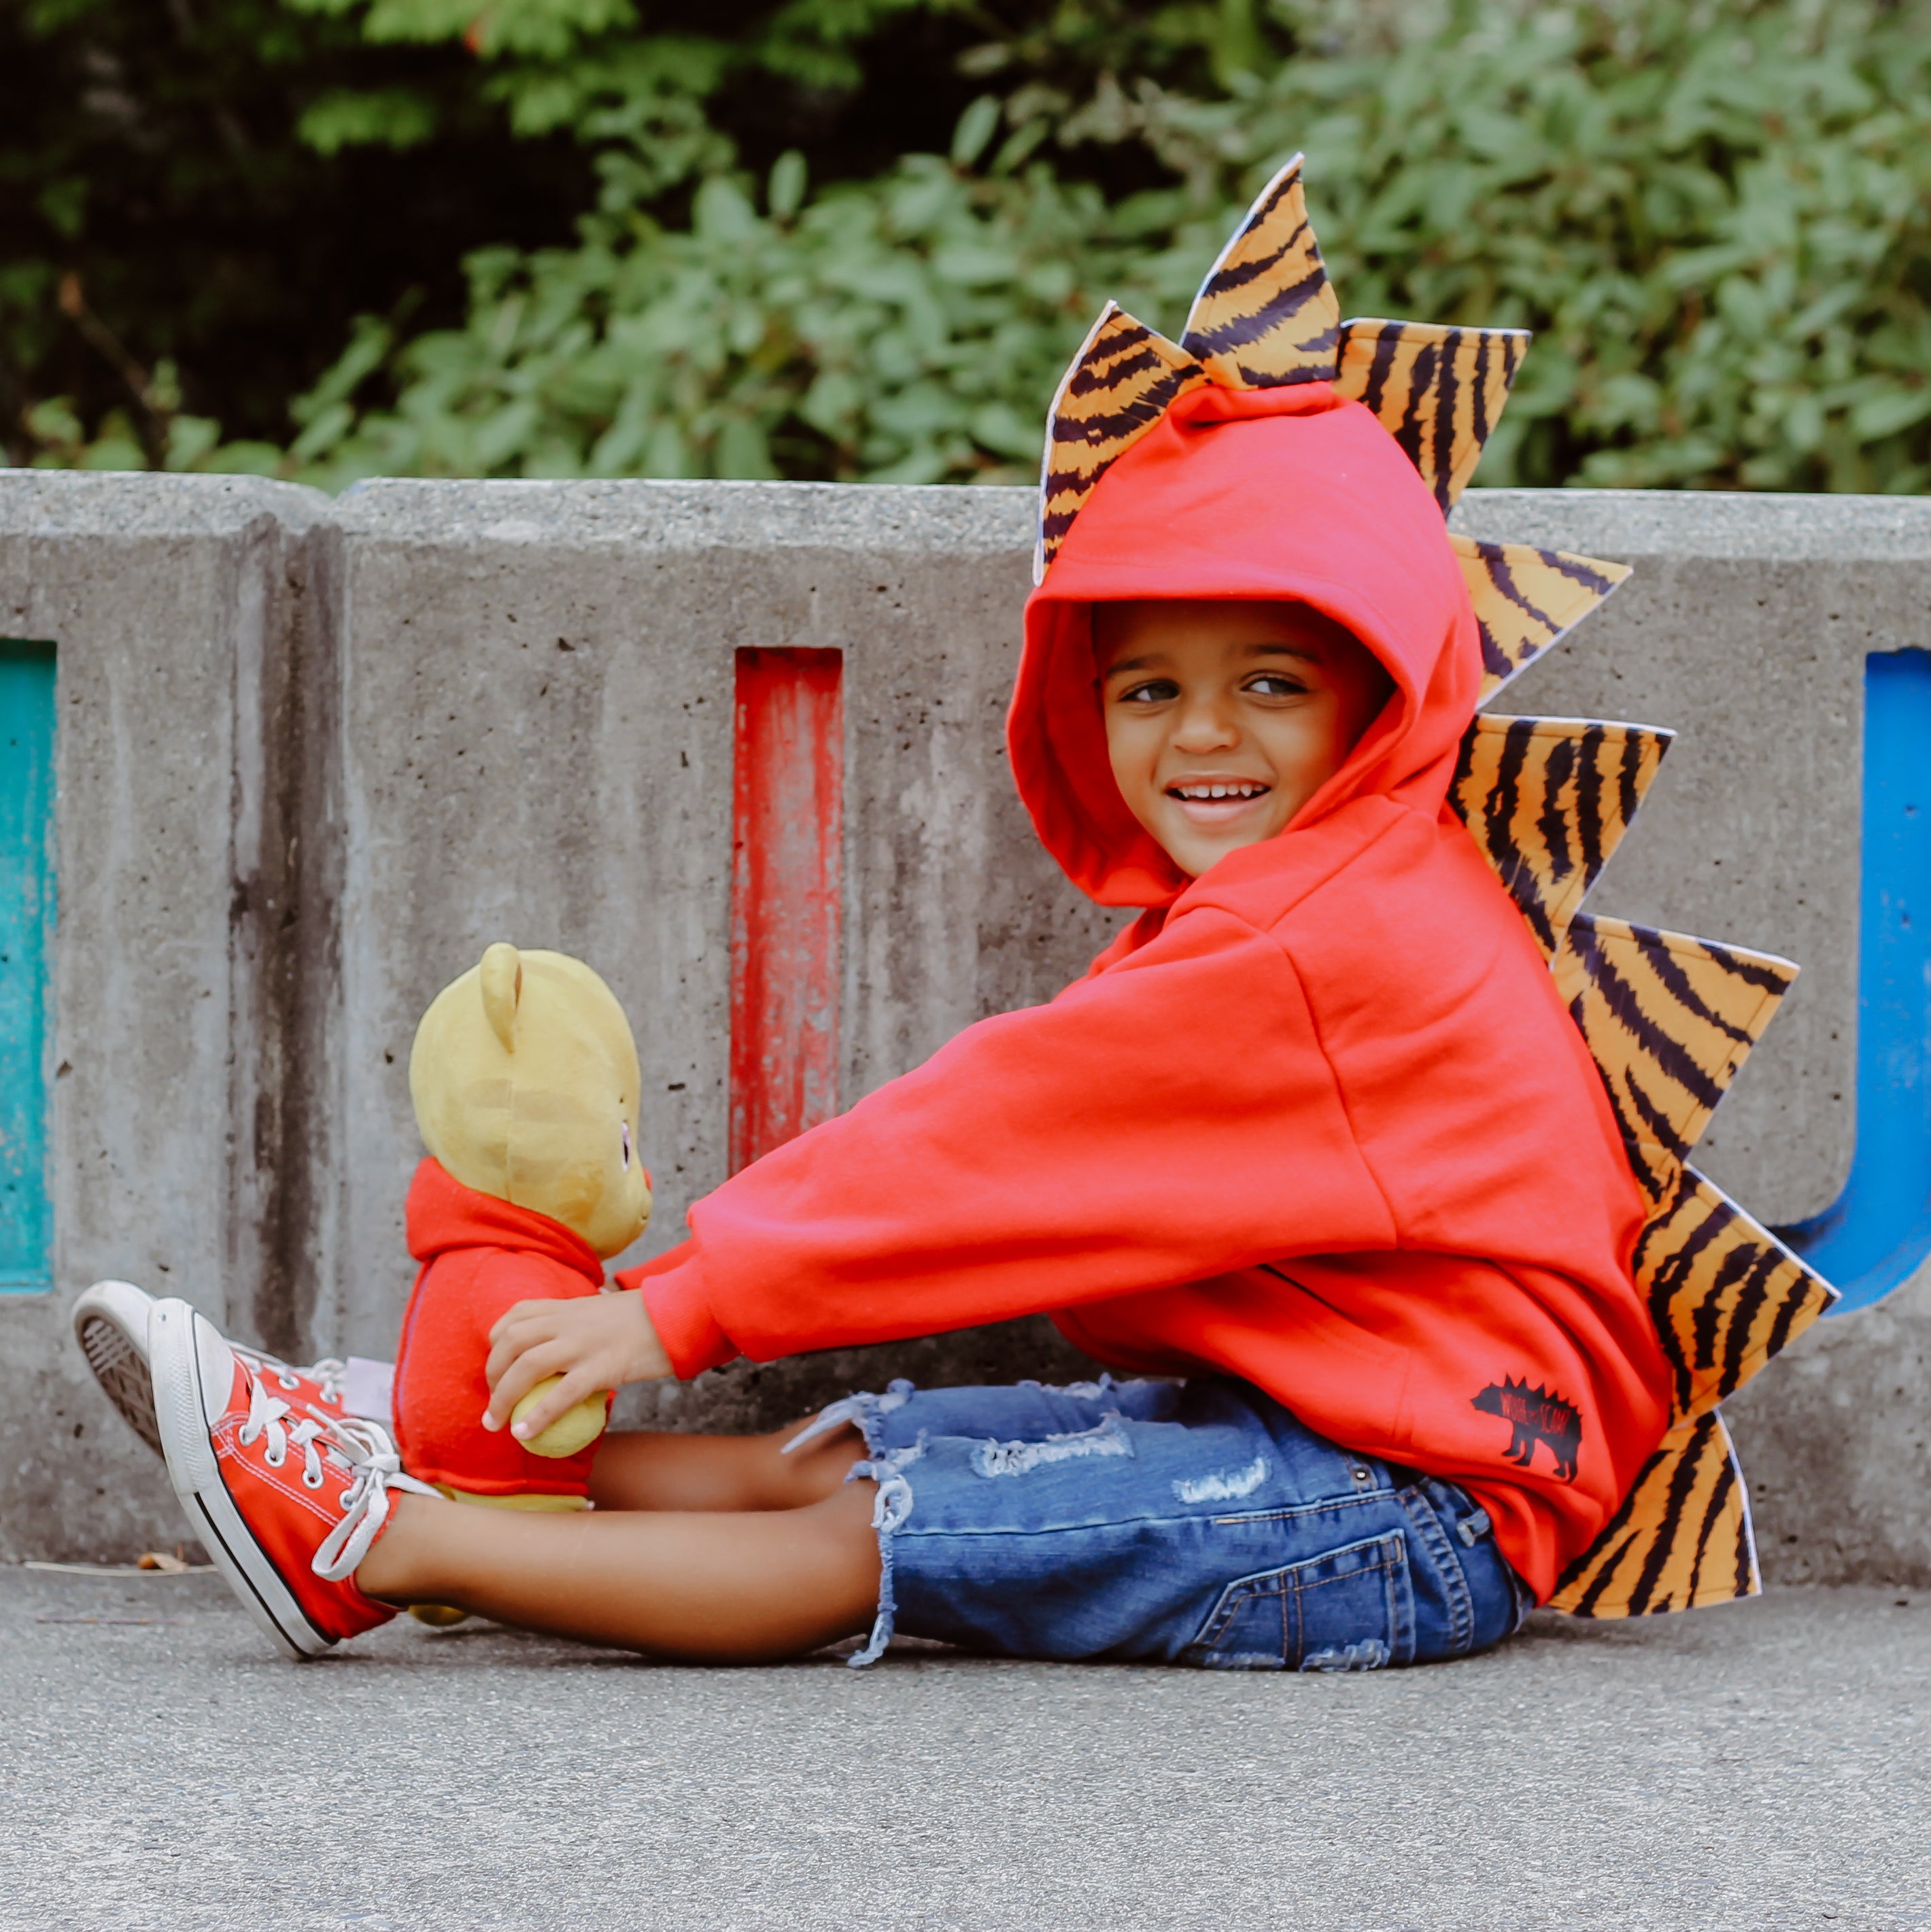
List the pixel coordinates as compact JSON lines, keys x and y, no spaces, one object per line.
{"x":596,"y":1341}
{"x":1172,"y":1119}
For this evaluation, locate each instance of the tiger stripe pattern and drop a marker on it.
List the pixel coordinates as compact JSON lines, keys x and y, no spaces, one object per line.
{"x":1547,"y":800}
{"x":1266,"y":316}
{"x":1527,"y":599}
{"x":1668,"y":1019}
{"x":1681,"y":1538}
{"x":1118,"y":387}
{"x":1725,"y":1293}
{"x":1437,"y":390}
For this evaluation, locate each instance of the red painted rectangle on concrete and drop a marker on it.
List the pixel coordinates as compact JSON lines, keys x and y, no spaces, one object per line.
{"x":787,"y":832}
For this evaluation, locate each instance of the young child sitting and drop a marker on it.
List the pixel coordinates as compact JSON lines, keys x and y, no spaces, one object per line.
{"x":1315,"y":1134}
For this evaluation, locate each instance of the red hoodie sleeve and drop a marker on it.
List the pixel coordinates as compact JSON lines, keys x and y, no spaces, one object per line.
{"x":1169,"y":1119}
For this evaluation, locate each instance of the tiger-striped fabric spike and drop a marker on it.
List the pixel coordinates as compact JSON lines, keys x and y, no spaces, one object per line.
{"x":1668,"y":1019}
{"x":1526,"y":598}
{"x":1266,"y":316}
{"x":1547,"y":800}
{"x":1682,"y":1537}
{"x":1725,"y":1294}
{"x":1437,"y":390}
{"x":1117,"y":388}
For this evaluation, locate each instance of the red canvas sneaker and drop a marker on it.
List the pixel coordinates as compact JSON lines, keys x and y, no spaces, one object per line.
{"x":287,"y":1504}
{"x":110,"y":1323}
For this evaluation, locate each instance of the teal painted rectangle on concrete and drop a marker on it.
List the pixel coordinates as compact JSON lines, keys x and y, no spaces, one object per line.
{"x":26,"y":933}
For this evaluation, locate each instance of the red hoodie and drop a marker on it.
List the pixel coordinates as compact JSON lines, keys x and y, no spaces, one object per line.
{"x":480,"y":1256}
{"x":1317,"y":1119}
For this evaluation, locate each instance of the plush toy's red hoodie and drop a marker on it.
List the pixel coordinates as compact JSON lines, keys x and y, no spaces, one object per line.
{"x":480,"y":1257}
{"x":1317,"y":1119}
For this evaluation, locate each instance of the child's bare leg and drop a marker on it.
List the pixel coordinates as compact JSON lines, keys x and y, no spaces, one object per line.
{"x":741,"y":1588}
{"x":651,"y":1471}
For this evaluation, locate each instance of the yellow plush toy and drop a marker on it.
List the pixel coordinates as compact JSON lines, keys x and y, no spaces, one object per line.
{"x":524,"y":1075}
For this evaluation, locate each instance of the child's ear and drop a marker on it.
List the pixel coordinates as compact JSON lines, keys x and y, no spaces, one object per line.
{"x":501,"y":976}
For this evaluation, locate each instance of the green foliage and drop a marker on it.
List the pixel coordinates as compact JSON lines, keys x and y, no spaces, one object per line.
{"x":1713,"y":212}
{"x":1716,"y":217}
{"x":902,"y":331}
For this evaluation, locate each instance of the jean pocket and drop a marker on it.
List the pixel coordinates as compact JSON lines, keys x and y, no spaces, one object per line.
{"x":1349,"y":1609}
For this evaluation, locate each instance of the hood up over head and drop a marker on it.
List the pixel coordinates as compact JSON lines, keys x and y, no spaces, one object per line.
{"x":1290,"y":494}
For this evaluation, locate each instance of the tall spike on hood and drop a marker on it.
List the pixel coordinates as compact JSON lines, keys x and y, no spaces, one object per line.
{"x":1266,"y":316}
{"x":1115,"y":390}
{"x":1438,"y":392}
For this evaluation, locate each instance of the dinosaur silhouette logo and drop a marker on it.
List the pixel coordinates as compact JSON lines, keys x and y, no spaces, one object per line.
{"x":1534,"y":1415}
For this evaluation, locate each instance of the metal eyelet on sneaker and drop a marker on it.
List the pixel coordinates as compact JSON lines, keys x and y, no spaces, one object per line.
{"x":274,"y":1457}
{"x":313,"y":1482}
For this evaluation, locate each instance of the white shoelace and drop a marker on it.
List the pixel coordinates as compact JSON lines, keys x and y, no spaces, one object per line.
{"x":358,"y":1450}
{"x":328,"y":1372}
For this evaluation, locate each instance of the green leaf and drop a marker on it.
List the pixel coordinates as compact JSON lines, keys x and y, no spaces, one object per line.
{"x":393,"y":118}
{"x":976,"y":127}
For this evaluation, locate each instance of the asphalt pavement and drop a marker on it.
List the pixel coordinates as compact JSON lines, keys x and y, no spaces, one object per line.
{"x":1762,"y":1766}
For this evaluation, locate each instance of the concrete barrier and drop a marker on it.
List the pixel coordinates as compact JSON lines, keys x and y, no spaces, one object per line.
{"x":313,"y":757}
{"x":178,"y":614}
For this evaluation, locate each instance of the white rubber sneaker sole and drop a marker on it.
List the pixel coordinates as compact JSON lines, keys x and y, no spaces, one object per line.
{"x":192,"y":1374}
{"x":110,"y":1323}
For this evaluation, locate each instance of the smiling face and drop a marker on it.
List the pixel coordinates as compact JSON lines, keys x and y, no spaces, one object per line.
{"x":1224,"y":718}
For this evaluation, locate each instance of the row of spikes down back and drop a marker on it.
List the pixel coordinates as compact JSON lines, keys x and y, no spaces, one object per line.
{"x":1668,"y":1018}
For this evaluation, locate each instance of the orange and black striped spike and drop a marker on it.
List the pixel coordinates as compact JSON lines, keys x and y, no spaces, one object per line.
{"x":1527,"y":599}
{"x":1725,"y":1293}
{"x":1118,"y":387}
{"x":1682,"y":1536}
{"x":1266,"y":316}
{"x":1668,"y":1019}
{"x":1547,"y":800}
{"x":1437,"y":390}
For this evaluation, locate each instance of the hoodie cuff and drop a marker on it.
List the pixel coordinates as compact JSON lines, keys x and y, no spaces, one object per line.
{"x":679,"y":1312}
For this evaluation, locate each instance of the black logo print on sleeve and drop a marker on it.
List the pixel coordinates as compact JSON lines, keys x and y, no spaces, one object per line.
{"x":1534,"y":1415}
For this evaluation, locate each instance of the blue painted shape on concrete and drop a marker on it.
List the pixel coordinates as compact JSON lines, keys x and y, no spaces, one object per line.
{"x":1876,"y":1233}
{"x":26,"y":929}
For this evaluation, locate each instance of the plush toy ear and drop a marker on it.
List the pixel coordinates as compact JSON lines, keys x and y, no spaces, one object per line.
{"x":501,"y":978}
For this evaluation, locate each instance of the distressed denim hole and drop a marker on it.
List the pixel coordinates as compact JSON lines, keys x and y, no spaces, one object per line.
{"x":1016,"y":1458}
{"x":1222,"y":1486}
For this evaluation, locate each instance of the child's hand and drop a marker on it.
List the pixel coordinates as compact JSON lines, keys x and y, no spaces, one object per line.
{"x":597,"y":1341}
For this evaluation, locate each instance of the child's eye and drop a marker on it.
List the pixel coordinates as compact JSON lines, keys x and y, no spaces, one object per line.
{"x":1273,"y":684}
{"x":1155,"y":691}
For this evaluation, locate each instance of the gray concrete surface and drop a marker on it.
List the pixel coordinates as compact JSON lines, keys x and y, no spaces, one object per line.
{"x":176,"y":605}
{"x":1756,"y":1767}
{"x":314,"y":757}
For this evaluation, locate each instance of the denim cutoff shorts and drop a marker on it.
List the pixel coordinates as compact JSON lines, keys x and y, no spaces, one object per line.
{"x":1192,"y":1522}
